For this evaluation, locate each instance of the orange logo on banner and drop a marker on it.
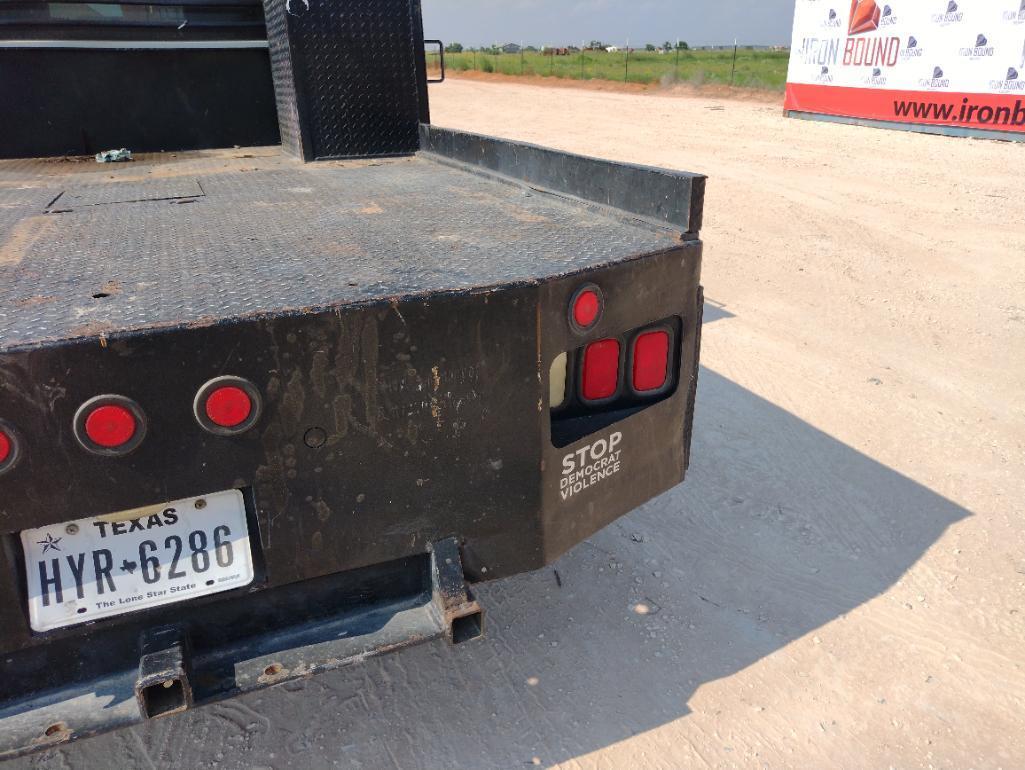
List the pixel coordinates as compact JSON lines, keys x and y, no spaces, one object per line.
{"x":864,"y":17}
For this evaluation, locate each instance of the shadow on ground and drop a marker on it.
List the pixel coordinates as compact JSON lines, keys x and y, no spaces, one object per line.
{"x":714,"y":311}
{"x":778,"y":530}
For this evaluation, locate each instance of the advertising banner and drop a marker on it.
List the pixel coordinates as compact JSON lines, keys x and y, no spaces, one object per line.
{"x":927,"y":62}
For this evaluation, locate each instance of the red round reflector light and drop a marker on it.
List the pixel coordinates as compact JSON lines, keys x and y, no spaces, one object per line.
{"x":228,"y":406}
{"x":110,"y":426}
{"x":10,"y":447}
{"x":585,"y":308}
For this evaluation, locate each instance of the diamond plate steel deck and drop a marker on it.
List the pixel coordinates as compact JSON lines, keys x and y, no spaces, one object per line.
{"x":270,"y":235}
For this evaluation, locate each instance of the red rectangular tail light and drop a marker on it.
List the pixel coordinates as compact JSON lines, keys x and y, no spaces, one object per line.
{"x":650,"y":360}
{"x":601,"y":370}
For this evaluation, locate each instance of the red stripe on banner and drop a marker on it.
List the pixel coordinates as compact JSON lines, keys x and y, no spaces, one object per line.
{"x":995,"y":112}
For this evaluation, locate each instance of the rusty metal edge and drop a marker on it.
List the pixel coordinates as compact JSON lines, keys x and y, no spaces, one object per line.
{"x":656,"y":195}
{"x":93,"y":706}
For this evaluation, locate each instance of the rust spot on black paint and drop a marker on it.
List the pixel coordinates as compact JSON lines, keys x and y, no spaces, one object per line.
{"x":369,"y":348}
{"x":293,"y":400}
{"x":323,"y":511}
{"x":318,"y":373}
{"x":342,"y":406}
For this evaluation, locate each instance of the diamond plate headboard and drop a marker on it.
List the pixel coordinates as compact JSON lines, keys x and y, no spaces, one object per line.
{"x":349,"y":76}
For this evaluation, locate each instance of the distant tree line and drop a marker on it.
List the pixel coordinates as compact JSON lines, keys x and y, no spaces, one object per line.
{"x":594,"y":45}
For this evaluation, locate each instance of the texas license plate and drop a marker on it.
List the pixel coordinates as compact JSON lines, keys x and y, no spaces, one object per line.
{"x":94,"y":568}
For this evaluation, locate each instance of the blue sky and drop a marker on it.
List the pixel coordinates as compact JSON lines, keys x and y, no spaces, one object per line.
{"x":568,"y":22}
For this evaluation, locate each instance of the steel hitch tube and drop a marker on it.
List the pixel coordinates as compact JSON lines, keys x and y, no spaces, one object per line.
{"x":460,"y":613}
{"x":163,"y":686}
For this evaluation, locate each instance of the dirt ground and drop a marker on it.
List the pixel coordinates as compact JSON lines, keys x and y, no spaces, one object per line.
{"x":674,"y":89}
{"x":841,"y":580}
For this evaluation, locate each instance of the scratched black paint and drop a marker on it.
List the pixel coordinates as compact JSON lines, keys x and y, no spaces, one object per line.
{"x":435,"y":414}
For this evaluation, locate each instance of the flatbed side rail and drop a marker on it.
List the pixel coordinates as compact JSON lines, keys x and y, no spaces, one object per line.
{"x":665,"y":197}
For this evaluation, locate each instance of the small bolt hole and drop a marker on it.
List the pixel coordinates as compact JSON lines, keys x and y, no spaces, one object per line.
{"x":81,"y":610}
{"x":209,"y":582}
{"x":200,"y":504}
{"x":100,"y":295}
{"x":52,"y":730}
{"x":273,"y":669}
{"x":315,"y":438}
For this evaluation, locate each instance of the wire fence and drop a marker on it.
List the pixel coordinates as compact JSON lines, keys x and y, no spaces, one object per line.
{"x":735,"y":66}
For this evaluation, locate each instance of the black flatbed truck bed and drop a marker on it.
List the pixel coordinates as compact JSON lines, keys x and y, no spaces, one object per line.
{"x":204,"y":237}
{"x":424,"y":413}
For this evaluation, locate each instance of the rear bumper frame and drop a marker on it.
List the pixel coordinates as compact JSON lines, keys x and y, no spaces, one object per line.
{"x":173,"y":668}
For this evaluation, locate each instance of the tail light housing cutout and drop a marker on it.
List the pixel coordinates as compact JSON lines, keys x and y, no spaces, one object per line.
{"x":227,"y":406}
{"x":110,"y":425}
{"x":612,"y":378}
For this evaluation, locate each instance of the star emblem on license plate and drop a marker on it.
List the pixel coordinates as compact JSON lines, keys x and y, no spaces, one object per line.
{"x":50,"y":543}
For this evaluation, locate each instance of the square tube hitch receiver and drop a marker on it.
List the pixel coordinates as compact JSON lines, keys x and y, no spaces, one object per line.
{"x":460,"y":613}
{"x":163,"y":686}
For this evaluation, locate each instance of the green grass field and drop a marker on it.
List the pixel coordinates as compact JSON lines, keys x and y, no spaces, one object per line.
{"x":754,"y":69}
